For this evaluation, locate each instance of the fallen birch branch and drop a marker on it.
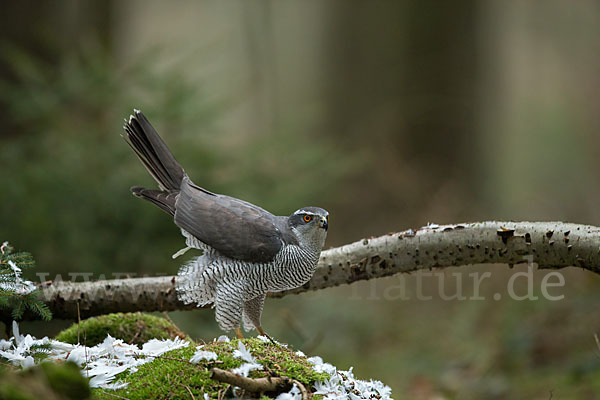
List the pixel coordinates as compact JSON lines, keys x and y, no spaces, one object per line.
{"x":548,"y":244}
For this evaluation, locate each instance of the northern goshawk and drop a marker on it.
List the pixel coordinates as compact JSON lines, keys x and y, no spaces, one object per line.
{"x":247,"y":251}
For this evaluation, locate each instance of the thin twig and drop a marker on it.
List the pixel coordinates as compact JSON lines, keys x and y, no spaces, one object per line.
{"x":136,"y":335}
{"x":302,"y":389}
{"x":78,"y":322}
{"x":169,"y":381}
{"x":166,"y":315}
{"x":222,"y":392}
{"x":87,"y":371}
{"x":189,"y":390}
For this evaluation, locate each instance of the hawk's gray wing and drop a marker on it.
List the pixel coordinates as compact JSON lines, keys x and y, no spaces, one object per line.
{"x":235,"y":228}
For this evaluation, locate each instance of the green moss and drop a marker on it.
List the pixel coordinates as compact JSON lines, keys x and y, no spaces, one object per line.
{"x":173,"y":377}
{"x":135,"y":328}
{"x":283,"y":360}
{"x":50,"y":381}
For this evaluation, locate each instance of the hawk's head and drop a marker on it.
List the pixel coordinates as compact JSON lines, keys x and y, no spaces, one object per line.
{"x":310,"y":226}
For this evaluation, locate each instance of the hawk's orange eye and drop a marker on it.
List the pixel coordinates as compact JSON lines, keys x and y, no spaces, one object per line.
{"x":307,"y":218}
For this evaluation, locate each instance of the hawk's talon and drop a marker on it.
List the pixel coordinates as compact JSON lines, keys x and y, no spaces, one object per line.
{"x":263,"y":333}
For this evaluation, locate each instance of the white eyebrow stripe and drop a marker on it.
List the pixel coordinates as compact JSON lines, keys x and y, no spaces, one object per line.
{"x":307,"y":212}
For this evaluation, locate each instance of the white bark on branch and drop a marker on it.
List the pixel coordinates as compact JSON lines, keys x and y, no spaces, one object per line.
{"x":548,"y":244}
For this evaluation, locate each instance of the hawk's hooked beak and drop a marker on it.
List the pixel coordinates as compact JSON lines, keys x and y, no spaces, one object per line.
{"x":323,"y":223}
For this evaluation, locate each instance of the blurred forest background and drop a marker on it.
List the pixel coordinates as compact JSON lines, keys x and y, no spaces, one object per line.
{"x":390,"y":114}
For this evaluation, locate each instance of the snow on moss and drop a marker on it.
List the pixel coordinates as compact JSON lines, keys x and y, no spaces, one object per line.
{"x":135,"y":371}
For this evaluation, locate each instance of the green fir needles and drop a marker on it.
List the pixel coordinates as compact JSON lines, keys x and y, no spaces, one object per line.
{"x":17,"y":294}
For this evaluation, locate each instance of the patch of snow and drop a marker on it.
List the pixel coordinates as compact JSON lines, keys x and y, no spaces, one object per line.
{"x":245,"y":369}
{"x":200,"y":355}
{"x":115,"y":385}
{"x":343,"y":385}
{"x":320,"y":366}
{"x":243,"y":353}
{"x":20,"y":286}
{"x":101,"y":362}
{"x":293,"y":394}
{"x":223,"y":339}
{"x":263,"y":338}
{"x":14,"y":266}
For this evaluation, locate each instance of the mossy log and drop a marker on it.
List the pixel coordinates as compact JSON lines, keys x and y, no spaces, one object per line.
{"x":133,"y":328}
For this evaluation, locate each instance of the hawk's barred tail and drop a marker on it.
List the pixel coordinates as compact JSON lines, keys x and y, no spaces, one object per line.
{"x":153,"y":153}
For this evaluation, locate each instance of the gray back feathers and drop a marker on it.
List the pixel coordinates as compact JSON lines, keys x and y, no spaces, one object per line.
{"x":235,"y":228}
{"x":247,"y":251}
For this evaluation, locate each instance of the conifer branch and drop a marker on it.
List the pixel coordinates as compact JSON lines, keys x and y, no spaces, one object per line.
{"x":17,"y":294}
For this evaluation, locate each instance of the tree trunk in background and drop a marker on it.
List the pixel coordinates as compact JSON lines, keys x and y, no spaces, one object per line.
{"x":50,"y":31}
{"x":413,"y":85}
{"x":539,"y":110}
